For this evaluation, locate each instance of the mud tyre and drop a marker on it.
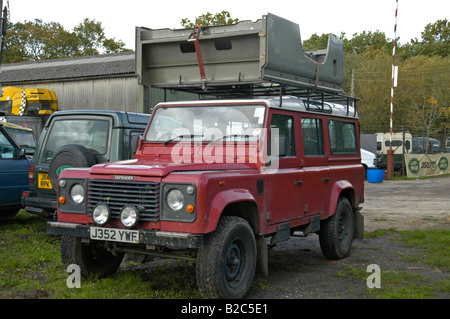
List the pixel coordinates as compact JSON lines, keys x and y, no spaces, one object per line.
{"x":71,"y":155}
{"x":337,"y":232}
{"x":226,"y":264}
{"x":93,"y":258}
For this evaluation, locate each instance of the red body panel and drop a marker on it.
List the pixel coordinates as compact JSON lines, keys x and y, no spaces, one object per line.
{"x":291,"y":190}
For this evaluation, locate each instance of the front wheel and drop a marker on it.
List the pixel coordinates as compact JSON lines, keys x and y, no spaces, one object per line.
{"x":336,"y":233}
{"x":93,"y":258}
{"x":227,"y":262}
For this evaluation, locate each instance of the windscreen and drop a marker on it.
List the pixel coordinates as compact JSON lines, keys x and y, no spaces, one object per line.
{"x":206,"y":123}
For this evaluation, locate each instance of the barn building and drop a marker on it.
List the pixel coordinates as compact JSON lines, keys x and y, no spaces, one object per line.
{"x":102,"y":82}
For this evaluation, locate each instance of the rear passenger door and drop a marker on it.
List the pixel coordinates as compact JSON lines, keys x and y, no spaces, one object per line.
{"x":315,"y":164}
{"x":285,"y":182}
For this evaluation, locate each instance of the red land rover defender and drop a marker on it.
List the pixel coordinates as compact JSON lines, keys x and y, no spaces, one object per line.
{"x":217,"y":181}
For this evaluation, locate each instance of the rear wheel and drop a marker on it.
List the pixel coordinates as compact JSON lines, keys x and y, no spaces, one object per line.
{"x":227,"y":262}
{"x":336,"y":233}
{"x":93,"y":258}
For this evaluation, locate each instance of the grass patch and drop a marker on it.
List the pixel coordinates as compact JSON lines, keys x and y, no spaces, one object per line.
{"x":434,"y":243}
{"x":403,"y":285}
{"x":434,"y":249}
{"x":405,"y":178}
{"x":31,"y":267}
{"x":379,"y":233}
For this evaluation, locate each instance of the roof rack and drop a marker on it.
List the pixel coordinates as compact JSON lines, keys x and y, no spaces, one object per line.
{"x":246,"y":59}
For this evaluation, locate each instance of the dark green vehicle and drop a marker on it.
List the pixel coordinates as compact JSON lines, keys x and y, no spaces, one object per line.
{"x":78,"y":139}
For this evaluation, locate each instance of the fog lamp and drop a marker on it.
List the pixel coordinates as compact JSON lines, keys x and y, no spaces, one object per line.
{"x":129,"y":216}
{"x":101,"y":214}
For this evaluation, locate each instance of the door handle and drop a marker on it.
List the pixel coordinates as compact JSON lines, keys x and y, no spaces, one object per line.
{"x":326,"y":179}
{"x":298,"y":182}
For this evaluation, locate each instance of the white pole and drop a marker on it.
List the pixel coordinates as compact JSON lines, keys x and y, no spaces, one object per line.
{"x":393,"y":83}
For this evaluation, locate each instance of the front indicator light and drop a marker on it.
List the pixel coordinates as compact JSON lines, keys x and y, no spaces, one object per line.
{"x":62,"y":200}
{"x":190,"y":208}
{"x":101,"y":214}
{"x":129,"y":216}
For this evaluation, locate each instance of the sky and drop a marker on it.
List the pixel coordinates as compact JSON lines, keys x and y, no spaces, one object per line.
{"x":119,"y":18}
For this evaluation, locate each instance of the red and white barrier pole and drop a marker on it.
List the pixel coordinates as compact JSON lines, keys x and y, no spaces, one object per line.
{"x":390,"y":157}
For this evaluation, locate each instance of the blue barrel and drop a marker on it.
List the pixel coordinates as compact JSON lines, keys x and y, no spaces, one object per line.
{"x":375,"y":175}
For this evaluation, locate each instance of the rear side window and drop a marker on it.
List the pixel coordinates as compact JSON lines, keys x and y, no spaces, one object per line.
{"x":92,"y":134}
{"x":312,"y":137}
{"x":342,"y":137}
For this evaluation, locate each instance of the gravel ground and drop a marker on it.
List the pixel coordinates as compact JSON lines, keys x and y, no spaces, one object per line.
{"x":298,"y":270}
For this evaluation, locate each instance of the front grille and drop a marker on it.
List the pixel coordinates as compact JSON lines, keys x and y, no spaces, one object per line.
{"x":117,"y":194}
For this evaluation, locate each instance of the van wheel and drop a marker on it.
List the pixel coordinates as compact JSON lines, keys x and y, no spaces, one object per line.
{"x":71,"y":155}
{"x":227,"y":262}
{"x":336,"y":233}
{"x":93,"y":258}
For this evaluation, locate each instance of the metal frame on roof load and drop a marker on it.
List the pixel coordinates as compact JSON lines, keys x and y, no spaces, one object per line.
{"x":246,"y":59}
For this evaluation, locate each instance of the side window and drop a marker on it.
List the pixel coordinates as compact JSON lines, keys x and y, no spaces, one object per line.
{"x":342,"y":137}
{"x":312,"y":137}
{"x":285,"y":126}
{"x":7,"y":149}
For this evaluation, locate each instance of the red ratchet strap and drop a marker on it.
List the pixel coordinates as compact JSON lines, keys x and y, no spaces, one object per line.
{"x":195,"y":35}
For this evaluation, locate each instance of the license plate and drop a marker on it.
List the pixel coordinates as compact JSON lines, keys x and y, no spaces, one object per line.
{"x":111,"y":234}
{"x":44,"y":181}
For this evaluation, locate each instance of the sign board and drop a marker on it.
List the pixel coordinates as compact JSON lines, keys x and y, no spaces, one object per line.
{"x":418,"y":165}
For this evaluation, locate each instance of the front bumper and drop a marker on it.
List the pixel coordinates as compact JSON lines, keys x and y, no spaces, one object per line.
{"x":148,"y":237}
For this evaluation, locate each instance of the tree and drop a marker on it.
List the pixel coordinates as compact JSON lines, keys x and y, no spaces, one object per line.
{"x":424,"y":90}
{"x":316,"y":42}
{"x":435,"y":39}
{"x":366,"y":41}
{"x":38,"y":40}
{"x":207,"y":19}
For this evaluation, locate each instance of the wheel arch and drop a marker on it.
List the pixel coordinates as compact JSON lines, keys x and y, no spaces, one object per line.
{"x":341,"y":189}
{"x":240,"y":203}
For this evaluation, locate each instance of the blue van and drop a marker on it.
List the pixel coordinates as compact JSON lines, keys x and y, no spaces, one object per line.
{"x":14,"y":168}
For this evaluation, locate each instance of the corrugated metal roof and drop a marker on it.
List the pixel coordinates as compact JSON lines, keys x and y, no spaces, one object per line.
{"x":119,"y":64}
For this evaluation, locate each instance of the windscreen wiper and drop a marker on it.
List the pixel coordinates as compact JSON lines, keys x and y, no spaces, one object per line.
{"x":181,"y":136}
{"x":246,"y":136}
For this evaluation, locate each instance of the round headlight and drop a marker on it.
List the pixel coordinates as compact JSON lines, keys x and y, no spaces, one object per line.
{"x":175,"y":199}
{"x":77,"y":193}
{"x":129,"y":216}
{"x":101,"y":214}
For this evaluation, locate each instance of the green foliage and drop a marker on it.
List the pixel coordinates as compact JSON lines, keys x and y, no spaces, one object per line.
{"x":38,"y":40}
{"x":208,"y":19}
{"x":435,"y":40}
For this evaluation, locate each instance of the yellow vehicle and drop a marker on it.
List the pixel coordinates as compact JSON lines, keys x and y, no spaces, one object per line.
{"x":19,"y":101}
